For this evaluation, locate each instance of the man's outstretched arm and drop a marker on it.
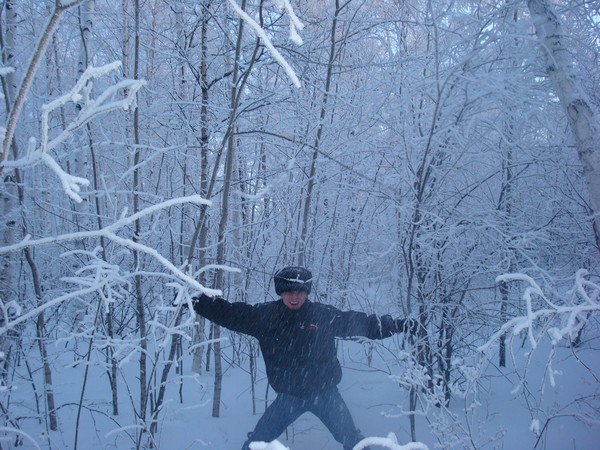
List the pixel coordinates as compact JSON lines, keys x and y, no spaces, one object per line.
{"x":355,"y":323}
{"x":238,"y":316}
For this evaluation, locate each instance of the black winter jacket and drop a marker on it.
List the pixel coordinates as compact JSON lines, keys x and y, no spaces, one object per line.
{"x":298,"y":346}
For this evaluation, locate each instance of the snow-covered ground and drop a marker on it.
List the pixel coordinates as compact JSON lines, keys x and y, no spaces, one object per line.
{"x":503,"y":419}
{"x":504,"y":415}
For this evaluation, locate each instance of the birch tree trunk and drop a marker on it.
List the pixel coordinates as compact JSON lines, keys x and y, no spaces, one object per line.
{"x":85,"y":29}
{"x":204,"y":141}
{"x":9,"y":87}
{"x":125,"y":38}
{"x":8,"y":205}
{"x":581,"y":116}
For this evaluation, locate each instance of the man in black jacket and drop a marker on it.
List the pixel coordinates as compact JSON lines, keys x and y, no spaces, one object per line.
{"x":297,"y":340}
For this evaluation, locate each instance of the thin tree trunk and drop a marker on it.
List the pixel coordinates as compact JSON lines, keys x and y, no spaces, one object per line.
{"x":125,"y":40}
{"x":221,"y":241}
{"x":86,"y":373}
{"x":302,"y":254}
{"x":136,"y":188}
{"x":199,"y":336}
{"x":40,"y":326}
{"x":503,"y":287}
{"x":200,"y":236}
{"x":506,"y":210}
{"x":505,"y":207}
{"x":412,"y":407}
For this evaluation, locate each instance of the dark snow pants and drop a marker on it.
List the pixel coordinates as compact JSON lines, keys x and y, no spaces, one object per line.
{"x":328,"y":406}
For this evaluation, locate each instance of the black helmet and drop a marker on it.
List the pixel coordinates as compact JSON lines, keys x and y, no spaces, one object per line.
{"x":293,"y":279}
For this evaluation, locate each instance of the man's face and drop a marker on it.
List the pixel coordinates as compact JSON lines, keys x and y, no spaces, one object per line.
{"x":294,"y":299}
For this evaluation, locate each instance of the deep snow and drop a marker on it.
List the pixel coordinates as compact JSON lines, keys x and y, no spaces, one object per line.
{"x":501,"y":418}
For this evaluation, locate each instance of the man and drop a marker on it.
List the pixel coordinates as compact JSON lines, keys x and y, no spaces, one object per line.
{"x":297,"y":340}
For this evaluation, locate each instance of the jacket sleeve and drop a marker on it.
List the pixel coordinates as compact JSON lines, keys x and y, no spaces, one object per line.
{"x":238,"y":316}
{"x":355,"y":323}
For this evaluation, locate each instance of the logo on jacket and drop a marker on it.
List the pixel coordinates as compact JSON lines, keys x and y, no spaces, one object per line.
{"x":310,"y":327}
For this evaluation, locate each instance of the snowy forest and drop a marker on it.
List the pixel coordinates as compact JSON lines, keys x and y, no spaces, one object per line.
{"x":427,"y":159}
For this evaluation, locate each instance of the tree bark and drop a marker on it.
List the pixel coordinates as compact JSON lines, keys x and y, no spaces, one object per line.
{"x":136,"y":188}
{"x":199,"y":336}
{"x":581,"y":116}
{"x":306,"y":212}
{"x":221,"y":239}
{"x":9,"y":87}
{"x":40,"y":326}
{"x":8,"y":205}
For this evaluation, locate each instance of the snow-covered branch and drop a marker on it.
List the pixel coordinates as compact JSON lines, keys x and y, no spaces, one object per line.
{"x":56,"y":301}
{"x":4,"y":71}
{"x":18,"y":432}
{"x":109,"y":100}
{"x":295,"y":25}
{"x":110,"y":232}
{"x":17,"y":107}
{"x":583,"y":298}
{"x":97,"y":276}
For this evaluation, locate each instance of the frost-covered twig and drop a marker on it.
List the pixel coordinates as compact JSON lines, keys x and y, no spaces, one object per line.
{"x":90,"y":108}
{"x":572,"y":314}
{"x":71,"y":184}
{"x":295,"y":24}
{"x":21,"y":433}
{"x":5,"y":71}
{"x":103,"y":278}
{"x":36,"y":311}
{"x":113,"y":227}
{"x":110,"y":231}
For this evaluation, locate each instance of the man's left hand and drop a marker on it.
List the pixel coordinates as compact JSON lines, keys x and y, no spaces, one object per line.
{"x":407,"y":326}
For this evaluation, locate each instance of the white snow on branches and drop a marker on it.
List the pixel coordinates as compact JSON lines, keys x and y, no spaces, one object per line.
{"x":20,"y":433}
{"x":583,"y":298}
{"x":110,"y":99}
{"x":295,"y":24}
{"x":110,"y":232}
{"x":6,"y":70}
